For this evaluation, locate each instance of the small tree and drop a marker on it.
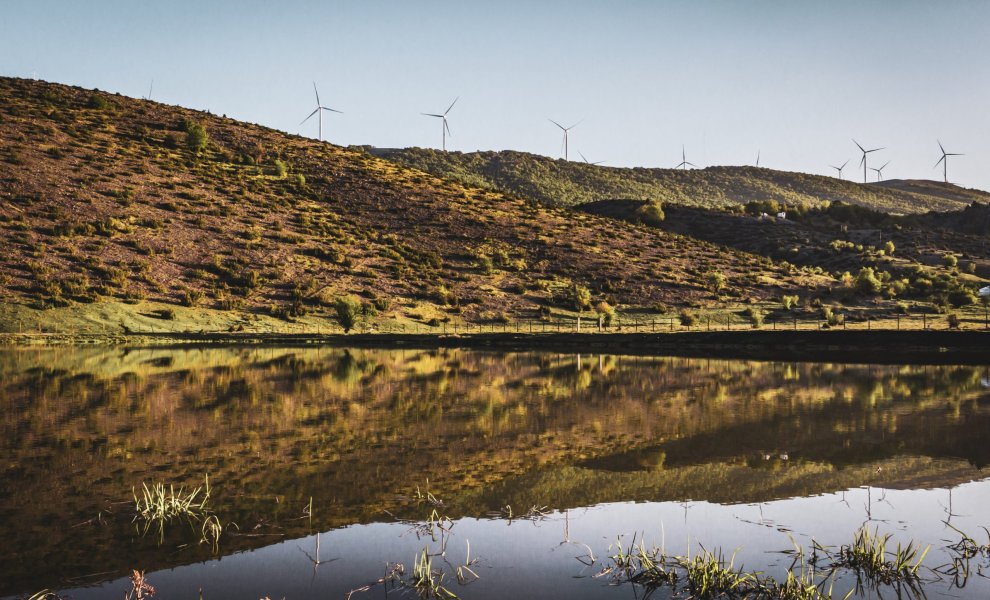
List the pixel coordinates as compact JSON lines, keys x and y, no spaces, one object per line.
{"x":606,"y":314}
{"x":889,"y":248}
{"x":196,"y":137}
{"x":715,"y":280}
{"x":348,"y":309}
{"x":950,"y":261}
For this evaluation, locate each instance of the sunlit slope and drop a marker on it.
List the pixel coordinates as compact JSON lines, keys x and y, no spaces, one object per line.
{"x":565,"y":183}
{"x":104,"y":197}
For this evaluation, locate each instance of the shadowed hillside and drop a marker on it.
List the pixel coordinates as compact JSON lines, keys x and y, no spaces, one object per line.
{"x":561,"y":183}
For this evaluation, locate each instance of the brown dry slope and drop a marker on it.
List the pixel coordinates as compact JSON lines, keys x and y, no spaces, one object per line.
{"x":106,"y":199}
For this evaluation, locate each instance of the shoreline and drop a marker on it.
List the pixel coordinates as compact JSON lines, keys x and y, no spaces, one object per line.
{"x":876,"y":346}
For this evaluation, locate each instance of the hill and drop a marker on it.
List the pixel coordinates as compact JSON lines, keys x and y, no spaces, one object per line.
{"x":119,"y":212}
{"x":567,"y":183}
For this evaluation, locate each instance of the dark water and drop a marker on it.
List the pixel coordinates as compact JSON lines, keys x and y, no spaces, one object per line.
{"x":744,"y":456}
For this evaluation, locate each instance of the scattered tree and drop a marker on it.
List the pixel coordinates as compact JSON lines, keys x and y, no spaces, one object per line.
{"x":348,"y":309}
{"x":196,"y":137}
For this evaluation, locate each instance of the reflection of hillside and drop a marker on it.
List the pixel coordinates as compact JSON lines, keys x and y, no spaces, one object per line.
{"x":354,"y":428}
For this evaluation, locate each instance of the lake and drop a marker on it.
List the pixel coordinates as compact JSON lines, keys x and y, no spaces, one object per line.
{"x":528,"y":474}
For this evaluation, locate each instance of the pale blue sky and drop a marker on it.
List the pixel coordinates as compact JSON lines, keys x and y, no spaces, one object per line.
{"x":794,"y":79}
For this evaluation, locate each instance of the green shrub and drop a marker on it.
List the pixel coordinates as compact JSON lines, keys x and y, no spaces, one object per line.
{"x":651,"y":213}
{"x":687,"y":318}
{"x":953,"y":320}
{"x":348,"y":310}
{"x":606,"y":314}
{"x":192,"y":298}
{"x":789,"y":302}
{"x":755,"y":317}
{"x":97,"y":102}
{"x":831,"y":317}
{"x":196,"y":137}
{"x":280,"y":168}
{"x":950,"y":261}
{"x":867,"y":281}
{"x":581,"y":296}
{"x":960,"y":297}
{"x":889,"y":248}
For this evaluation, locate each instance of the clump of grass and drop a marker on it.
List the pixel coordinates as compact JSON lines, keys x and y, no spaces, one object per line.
{"x":708,"y":575}
{"x":868,"y":557}
{"x":159,"y":505}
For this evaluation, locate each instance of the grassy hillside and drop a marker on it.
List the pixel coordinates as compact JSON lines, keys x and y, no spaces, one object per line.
{"x":561,"y":183}
{"x":108,"y":202}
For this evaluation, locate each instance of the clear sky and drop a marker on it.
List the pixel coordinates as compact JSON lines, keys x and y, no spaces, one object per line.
{"x":794,"y":80}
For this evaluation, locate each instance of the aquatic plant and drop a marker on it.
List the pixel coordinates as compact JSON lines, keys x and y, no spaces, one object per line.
{"x":708,"y":575}
{"x":139,"y":587}
{"x":159,"y":505}
{"x":868,"y":557}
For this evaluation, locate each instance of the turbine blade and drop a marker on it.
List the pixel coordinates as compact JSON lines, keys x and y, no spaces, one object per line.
{"x":877,"y":149}
{"x":447,"y":127}
{"x":857,"y":145}
{"x":557,"y":124}
{"x":953,"y":154}
{"x":432,"y":115}
{"x":317,"y":94}
{"x":939,"y":162}
{"x":582,"y":156}
{"x":693,"y":165}
{"x":884,"y":165}
{"x":844,"y":164}
{"x":310,"y":116}
{"x":332,"y":109}
{"x":862,"y":160}
{"x":940,"y":146}
{"x":451,"y":105}
{"x":575,"y":125}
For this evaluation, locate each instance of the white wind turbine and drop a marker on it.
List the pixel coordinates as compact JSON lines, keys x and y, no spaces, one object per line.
{"x":319,"y":111}
{"x":444,"y":128}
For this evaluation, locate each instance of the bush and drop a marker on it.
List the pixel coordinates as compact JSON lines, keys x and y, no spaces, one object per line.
{"x":950,"y":261}
{"x":606,"y":314}
{"x":867,"y":281}
{"x":755,"y":317}
{"x":192,"y":298}
{"x":687,"y":318}
{"x":715,"y":280}
{"x":196,"y":137}
{"x":953,"y":320}
{"x":961,"y":297}
{"x":831,"y":317}
{"x":789,"y":302}
{"x":98,"y":102}
{"x":651,"y":213}
{"x":348,"y":310}
{"x":280,"y":168}
{"x":581,"y":297}
{"x":889,"y":248}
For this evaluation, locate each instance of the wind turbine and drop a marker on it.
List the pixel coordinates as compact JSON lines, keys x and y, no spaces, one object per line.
{"x":839,"y":169}
{"x":757,"y":158}
{"x":945,"y":161}
{"x":879,"y":171}
{"x":589,"y":162}
{"x":444,"y":128}
{"x":565,"y":130}
{"x":684,"y":162}
{"x":150,"y":89}
{"x":319,"y":110}
{"x":862,"y":161}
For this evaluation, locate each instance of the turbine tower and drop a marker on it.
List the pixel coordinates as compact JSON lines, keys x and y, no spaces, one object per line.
{"x":879,"y":171}
{"x":839,"y":169}
{"x":862,"y":161}
{"x":444,"y":128}
{"x":589,"y":162}
{"x":945,"y":161}
{"x":319,"y":111}
{"x":684,"y":164}
{"x":565,"y":130}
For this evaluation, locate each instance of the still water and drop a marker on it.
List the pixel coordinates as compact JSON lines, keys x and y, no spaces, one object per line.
{"x":327,"y":467}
